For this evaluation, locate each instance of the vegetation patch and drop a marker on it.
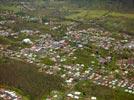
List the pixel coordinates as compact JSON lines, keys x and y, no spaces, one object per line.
{"x":25,"y":77}
{"x":101,"y":92}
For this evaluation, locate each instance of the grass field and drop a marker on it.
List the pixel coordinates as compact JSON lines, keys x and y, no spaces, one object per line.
{"x":26,"y":78}
{"x":9,"y":7}
{"x":89,"y":14}
{"x":102,"y":93}
{"x":114,"y":21}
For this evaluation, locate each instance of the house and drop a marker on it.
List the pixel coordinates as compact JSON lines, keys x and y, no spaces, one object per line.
{"x":27,"y":41}
{"x":93,"y":98}
{"x":126,"y":62}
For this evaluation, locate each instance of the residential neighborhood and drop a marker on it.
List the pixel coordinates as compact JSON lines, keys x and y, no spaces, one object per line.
{"x":9,"y":95}
{"x":80,"y":54}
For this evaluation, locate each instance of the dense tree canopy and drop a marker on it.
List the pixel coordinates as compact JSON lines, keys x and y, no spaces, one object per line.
{"x":118,"y":4}
{"x":122,"y":4}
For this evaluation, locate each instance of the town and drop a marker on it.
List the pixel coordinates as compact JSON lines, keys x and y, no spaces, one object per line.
{"x":76,"y":52}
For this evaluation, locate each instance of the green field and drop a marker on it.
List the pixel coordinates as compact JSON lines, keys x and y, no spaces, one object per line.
{"x":102,"y":93}
{"x":26,"y":77}
{"x":112,"y":21}
{"x":10,"y":7}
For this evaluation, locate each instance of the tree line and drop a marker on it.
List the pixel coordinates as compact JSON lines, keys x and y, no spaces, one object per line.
{"x":111,"y":4}
{"x":107,"y":4}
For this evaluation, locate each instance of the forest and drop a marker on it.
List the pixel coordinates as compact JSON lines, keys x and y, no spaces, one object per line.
{"x":111,"y":4}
